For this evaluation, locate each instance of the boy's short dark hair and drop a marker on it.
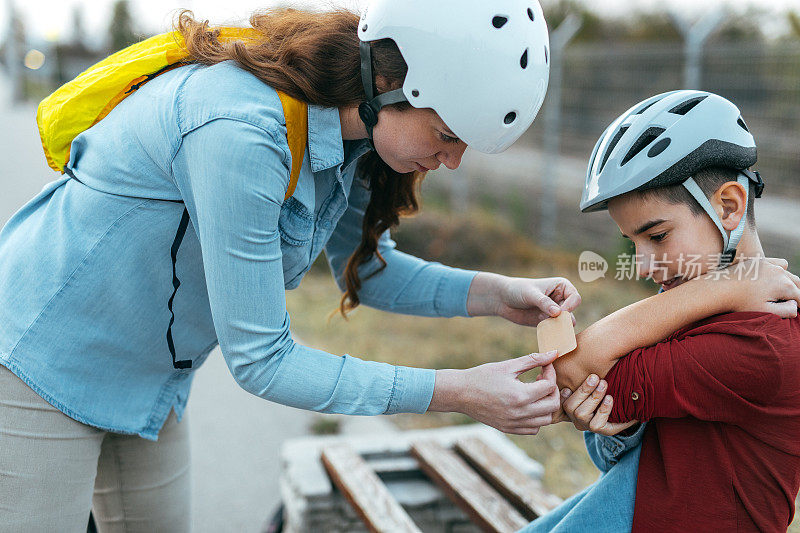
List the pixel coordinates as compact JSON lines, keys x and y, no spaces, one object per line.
{"x":709,"y":180}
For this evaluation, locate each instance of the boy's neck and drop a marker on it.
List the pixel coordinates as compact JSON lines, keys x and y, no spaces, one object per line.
{"x":749,"y":245}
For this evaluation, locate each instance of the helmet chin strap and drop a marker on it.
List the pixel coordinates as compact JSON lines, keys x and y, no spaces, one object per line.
{"x":368,"y":110}
{"x":729,"y":242}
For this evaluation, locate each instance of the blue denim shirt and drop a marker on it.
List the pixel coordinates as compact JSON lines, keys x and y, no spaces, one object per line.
{"x":86,"y":272}
{"x":607,"y":504}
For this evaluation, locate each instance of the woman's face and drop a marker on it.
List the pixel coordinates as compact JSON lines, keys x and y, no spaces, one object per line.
{"x":416,"y":140}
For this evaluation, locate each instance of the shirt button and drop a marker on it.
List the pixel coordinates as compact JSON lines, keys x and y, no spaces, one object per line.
{"x":634,"y":396}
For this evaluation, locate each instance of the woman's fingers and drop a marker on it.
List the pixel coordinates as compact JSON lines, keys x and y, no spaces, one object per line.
{"x":524,"y":363}
{"x":523,"y":431}
{"x":549,"y":373}
{"x":573,"y":298}
{"x":542,"y":400}
{"x":533,"y":421}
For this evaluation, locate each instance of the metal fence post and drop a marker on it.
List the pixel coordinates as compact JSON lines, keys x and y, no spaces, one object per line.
{"x":694,"y":37}
{"x":548,"y":199}
{"x":13,"y":66}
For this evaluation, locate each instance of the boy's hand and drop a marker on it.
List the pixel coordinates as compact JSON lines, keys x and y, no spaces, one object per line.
{"x":764,"y":285}
{"x":588,"y":408}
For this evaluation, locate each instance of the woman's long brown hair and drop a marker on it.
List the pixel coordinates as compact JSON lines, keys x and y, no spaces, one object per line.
{"x":314,"y":57}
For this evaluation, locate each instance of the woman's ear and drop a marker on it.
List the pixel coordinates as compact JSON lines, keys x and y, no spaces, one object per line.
{"x":731,"y":204}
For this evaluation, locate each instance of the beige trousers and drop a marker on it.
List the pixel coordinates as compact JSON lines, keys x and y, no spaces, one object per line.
{"x":53,"y":469}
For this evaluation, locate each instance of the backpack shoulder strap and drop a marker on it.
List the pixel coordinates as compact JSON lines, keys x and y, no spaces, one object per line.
{"x":296,"y":114}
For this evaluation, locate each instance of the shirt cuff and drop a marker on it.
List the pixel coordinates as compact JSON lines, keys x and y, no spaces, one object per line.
{"x":412,"y":390}
{"x":452,"y":292}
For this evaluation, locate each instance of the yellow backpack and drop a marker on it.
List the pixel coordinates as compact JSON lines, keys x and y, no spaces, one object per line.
{"x":83,"y":102}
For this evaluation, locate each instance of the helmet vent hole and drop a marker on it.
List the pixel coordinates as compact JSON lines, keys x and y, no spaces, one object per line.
{"x":688,"y":105}
{"x":530,"y":14}
{"x":523,"y":61}
{"x":415,"y":93}
{"x":742,"y":123}
{"x":646,"y":107}
{"x":499,"y":21}
{"x":611,"y":146}
{"x":510,"y":118}
{"x":545,"y":54}
{"x":659,"y":147}
{"x":641,"y":143}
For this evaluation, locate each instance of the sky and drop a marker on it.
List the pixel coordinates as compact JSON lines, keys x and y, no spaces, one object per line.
{"x":50,"y":19}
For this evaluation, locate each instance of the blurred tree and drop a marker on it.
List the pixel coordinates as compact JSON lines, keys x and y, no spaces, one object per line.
{"x":593,"y":27}
{"x":14,"y":51}
{"x":121,"y":29}
{"x":794,"y":23}
{"x":650,"y":27}
{"x":78,"y":29}
{"x":743,"y":27}
{"x":73,"y":55}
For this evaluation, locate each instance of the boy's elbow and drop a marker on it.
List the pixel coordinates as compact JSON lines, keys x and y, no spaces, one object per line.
{"x":570,"y":373}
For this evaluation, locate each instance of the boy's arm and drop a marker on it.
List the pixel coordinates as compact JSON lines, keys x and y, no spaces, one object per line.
{"x":642,"y":323}
{"x":721,"y":371}
{"x":649,"y":321}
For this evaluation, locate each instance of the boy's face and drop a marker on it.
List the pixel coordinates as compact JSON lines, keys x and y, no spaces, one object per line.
{"x":673,"y":244}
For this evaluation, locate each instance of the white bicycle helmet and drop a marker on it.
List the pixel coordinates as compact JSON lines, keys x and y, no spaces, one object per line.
{"x":664,"y":140}
{"x":482,"y":66}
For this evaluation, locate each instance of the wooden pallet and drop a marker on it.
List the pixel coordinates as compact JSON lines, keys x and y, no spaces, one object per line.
{"x":491,"y":491}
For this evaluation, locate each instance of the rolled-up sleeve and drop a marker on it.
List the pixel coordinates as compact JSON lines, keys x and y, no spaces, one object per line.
{"x":721,"y":375}
{"x":407,"y":284}
{"x":233,"y":176}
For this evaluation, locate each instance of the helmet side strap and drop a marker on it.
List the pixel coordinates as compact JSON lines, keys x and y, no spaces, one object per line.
{"x":729,"y":243}
{"x":368,"y":110}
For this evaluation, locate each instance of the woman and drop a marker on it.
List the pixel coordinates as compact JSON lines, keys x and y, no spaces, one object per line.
{"x":91,"y":388}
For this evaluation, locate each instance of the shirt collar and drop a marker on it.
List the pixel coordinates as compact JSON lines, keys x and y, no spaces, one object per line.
{"x":325,"y":147}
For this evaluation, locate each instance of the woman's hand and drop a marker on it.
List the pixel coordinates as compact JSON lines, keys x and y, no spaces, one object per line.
{"x":493,"y":394}
{"x":589,"y":407}
{"x":524,"y":301}
{"x":763,"y":285}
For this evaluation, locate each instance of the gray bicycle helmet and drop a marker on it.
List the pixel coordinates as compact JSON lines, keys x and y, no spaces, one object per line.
{"x":664,"y":140}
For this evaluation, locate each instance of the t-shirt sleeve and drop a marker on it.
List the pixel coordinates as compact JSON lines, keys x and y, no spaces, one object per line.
{"x":717,"y":373}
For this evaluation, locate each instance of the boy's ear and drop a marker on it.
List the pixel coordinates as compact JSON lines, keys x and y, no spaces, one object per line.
{"x":730,"y":203}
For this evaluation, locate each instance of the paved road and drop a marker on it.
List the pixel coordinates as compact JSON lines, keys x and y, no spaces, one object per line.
{"x":235,"y":436}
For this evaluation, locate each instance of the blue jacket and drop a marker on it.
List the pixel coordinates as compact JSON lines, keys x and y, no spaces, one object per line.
{"x":86,"y":270}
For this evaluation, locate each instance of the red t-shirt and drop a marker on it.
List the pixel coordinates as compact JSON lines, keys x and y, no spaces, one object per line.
{"x":722,"y":449}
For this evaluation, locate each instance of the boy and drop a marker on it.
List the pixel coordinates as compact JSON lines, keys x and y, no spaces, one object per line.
{"x":722,"y":449}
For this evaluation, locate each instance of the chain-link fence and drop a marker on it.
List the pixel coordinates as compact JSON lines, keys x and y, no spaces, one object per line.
{"x":534,"y":189}
{"x":600,"y":82}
